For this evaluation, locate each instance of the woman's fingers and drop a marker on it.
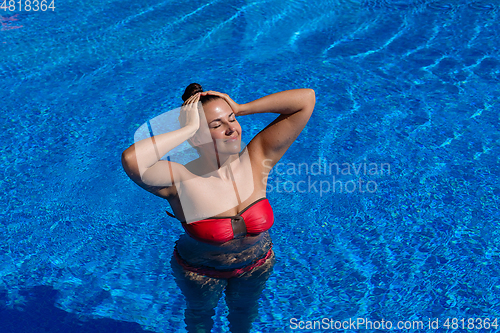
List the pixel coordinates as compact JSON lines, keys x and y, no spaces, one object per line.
{"x":190,"y":111}
{"x":191,"y":99}
{"x":234,"y":106}
{"x":216,"y":93}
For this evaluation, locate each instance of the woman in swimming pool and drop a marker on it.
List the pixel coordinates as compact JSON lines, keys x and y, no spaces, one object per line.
{"x":221,"y":197}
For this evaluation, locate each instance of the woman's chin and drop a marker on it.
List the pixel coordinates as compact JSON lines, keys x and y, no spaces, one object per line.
{"x":230,"y":147}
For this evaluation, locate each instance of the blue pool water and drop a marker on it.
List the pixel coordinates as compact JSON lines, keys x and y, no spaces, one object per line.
{"x":407,"y":106}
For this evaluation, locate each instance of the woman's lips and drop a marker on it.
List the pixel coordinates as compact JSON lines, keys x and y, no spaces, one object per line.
{"x":232,"y":139}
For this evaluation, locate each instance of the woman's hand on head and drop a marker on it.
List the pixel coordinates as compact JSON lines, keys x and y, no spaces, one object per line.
{"x":190,"y":111}
{"x":234,"y":106}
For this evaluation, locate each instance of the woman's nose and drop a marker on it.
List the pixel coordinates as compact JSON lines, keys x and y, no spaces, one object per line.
{"x":230,"y":129}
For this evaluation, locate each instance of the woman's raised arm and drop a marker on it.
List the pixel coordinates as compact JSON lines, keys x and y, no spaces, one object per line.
{"x":295,"y":108}
{"x":141,"y":160}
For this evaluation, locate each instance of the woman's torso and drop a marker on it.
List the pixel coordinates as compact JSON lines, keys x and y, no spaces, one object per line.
{"x":249,"y":186}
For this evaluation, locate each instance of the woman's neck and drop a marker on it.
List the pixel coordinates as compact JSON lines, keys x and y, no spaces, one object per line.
{"x":220,"y":165}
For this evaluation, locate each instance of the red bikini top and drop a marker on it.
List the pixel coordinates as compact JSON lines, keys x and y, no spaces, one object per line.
{"x":254,"y":219}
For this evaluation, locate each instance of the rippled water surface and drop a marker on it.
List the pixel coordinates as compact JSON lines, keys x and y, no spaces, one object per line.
{"x":409,"y":86}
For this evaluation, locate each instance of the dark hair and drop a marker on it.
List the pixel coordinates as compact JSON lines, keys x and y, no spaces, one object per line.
{"x":192,"y":89}
{"x":195,"y":88}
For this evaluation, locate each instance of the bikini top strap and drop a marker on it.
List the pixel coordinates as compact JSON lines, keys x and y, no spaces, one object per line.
{"x":170,"y":214}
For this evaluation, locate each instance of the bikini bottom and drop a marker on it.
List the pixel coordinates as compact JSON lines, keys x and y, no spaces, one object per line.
{"x":221,"y":274}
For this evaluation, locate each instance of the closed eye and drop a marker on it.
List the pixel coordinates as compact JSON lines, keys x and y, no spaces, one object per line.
{"x":230,"y":120}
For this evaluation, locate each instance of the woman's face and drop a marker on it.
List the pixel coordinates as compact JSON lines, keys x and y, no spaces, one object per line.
{"x":223,"y":126}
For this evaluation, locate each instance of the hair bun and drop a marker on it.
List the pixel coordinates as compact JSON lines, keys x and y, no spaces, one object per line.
{"x":192,"y":89}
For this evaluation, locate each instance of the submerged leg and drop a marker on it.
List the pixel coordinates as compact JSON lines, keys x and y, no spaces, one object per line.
{"x":202,"y":294}
{"x":242,"y":296}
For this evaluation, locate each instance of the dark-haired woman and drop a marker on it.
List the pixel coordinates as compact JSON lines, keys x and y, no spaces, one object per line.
{"x":220,"y":198}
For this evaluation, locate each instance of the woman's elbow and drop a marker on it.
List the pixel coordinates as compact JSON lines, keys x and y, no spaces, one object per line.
{"x":125,"y":158}
{"x":130,"y":150}
{"x":129,"y":160}
{"x":310,"y":98}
